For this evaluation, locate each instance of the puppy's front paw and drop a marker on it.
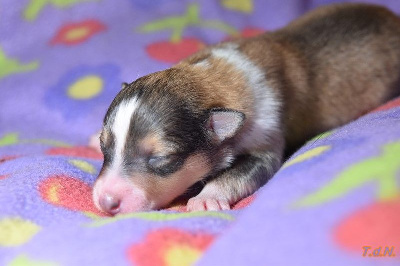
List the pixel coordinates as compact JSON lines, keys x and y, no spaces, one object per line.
{"x":207,"y":204}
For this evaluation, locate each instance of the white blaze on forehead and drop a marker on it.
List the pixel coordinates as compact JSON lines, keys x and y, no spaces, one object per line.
{"x":266,"y":101}
{"x":120,"y":128}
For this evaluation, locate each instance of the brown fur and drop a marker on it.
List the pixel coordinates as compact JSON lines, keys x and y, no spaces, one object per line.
{"x":219,"y":90}
{"x":328,"y":82}
{"x":326,"y":78}
{"x":152,"y":144}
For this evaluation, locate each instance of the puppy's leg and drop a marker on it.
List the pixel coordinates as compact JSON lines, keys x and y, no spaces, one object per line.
{"x":248,"y":173}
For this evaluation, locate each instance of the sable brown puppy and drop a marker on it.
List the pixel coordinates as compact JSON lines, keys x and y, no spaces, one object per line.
{"x":225,"y":115}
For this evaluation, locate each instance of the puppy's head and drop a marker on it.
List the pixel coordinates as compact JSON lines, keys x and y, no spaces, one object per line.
{"x":158,"y":141}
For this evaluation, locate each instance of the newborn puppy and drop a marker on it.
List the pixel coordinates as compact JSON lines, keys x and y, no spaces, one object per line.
{"x":226,"y":115}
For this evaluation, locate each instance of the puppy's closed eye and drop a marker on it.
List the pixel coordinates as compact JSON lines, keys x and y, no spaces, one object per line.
{"x":158,"y":161}
{"x":165,"y":164}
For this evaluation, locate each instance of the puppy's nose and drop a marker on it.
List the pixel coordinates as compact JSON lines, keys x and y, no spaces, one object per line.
{"x":110,"y":204}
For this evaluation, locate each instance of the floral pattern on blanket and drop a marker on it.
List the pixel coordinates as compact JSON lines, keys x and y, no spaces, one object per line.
{"x":336,"y":200}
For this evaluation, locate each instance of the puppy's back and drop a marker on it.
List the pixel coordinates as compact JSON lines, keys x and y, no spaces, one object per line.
{"x":350,"y":54}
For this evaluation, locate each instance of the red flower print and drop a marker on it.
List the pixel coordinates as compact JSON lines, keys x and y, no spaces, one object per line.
{"x":169,"y":246}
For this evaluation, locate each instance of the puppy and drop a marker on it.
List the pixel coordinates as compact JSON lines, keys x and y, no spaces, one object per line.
{"x":226,"y":115}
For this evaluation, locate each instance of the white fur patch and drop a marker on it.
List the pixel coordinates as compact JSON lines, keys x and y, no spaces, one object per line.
{"x":120,"y":128}
{"x":203,"y":63}
{"x":266,"y":102}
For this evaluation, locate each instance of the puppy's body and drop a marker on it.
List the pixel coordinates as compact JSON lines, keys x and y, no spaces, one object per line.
{"x":225,"y":115}
{"x":327,"y":67}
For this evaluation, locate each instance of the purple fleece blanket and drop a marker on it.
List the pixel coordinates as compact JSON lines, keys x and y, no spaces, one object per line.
{"x":335,"y":202}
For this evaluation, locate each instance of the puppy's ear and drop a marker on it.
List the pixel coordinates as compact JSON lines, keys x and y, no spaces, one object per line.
{"x":224,"y":123}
